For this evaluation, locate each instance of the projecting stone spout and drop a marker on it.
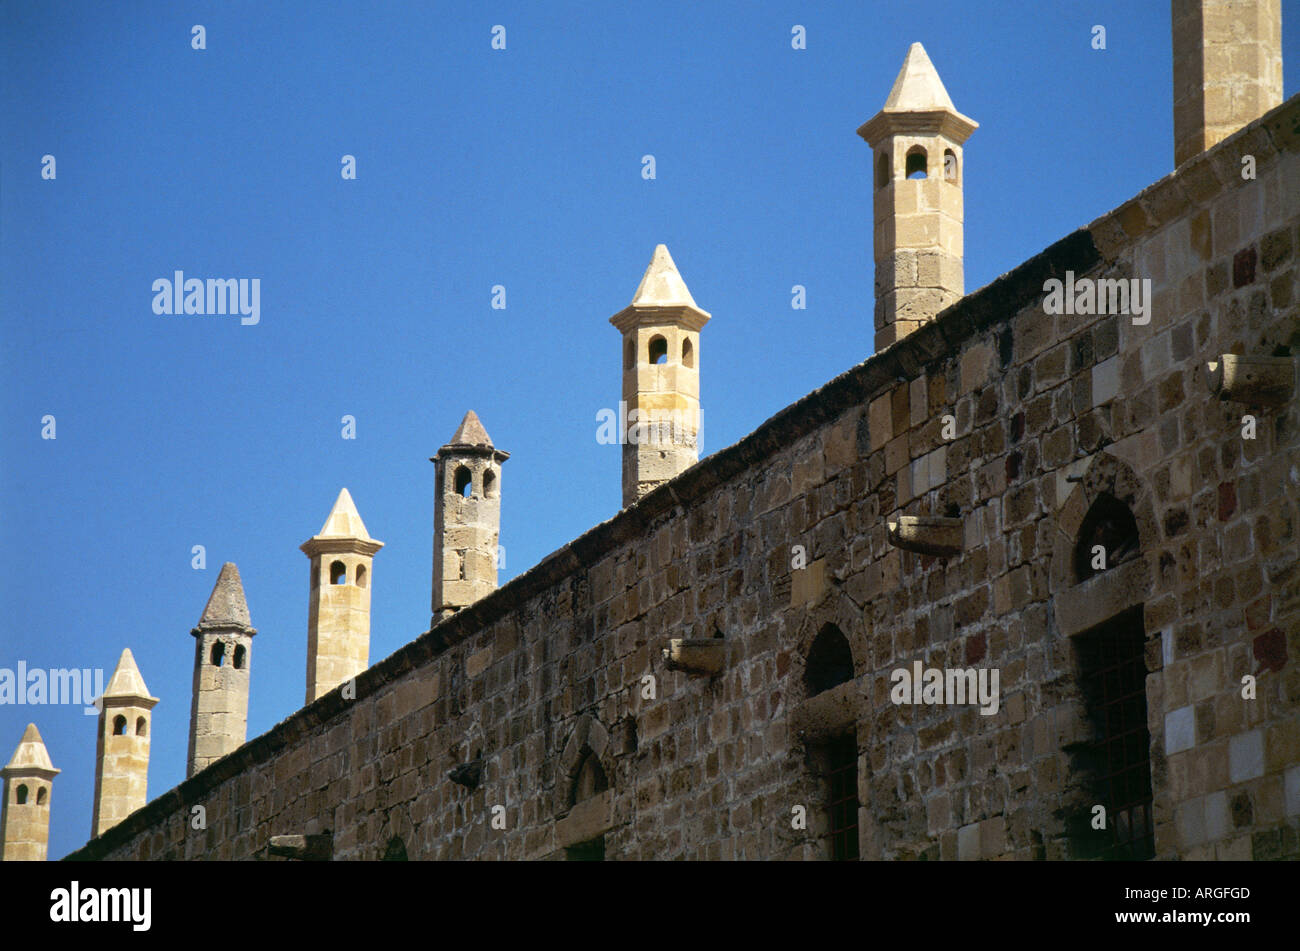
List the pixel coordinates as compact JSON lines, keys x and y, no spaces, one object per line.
{"x":1262,"y":381}
{"x":468,"y":774}
{"x":927,"y":534}
{"x":695,"y":655}
{"x":304,"y":848}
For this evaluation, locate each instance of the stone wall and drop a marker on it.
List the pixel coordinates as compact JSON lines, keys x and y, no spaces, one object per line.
{"x":1050,"y":413}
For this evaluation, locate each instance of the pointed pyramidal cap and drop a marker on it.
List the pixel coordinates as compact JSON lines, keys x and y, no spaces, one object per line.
{"x":471,"y":432}
{"x":918,"y":103}
{"x":344,"y":520}
{"x":918,"y":87}
{"x":126,"y":682}
{"x":226,"y":606}
{"x":471,"y":438}
{"x":662,"y":296}
{"x":31,"y":757}
{"x":662,"y":284}
{"x":343,"y":531}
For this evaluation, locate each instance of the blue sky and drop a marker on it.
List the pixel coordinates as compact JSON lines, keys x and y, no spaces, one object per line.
{"x":475,"y":168}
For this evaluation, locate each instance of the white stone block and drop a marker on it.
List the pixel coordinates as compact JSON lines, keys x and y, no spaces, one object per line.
{"x":1180,"y":730}
{"x":1246,"y":756}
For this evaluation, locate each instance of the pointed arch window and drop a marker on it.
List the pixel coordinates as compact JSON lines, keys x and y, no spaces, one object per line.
{"x":1108,"y":536}
{"x":830,"y":662}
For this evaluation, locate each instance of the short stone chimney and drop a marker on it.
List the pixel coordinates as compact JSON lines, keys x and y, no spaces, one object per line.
{"x":25,"y":815}
{"x":466,"y":518}
{"x":1227,"y":69}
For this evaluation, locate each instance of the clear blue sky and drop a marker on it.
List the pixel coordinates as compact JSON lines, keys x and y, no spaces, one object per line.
{"x":475,"y":168}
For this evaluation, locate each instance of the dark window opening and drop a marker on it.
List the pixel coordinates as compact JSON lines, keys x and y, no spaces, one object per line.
{"x":338,"y":573}
{"x":842,"y":803}
{"x":41,"y":793}
{"x":884,"y":170}
{"x":361,"y":576}
{"x":20,"y":795}
{"x":464,"y":482}
{"x":916,"y":163}
{"x":830,"y":662}
{"x":1116,"y":764}
{"x":490,"y":484}
{"x":240,"y":653}
{"x":658,"y":349}
{"x":119,"y":726}
{"x":591,"y":851}
{"x":395,"y":851}
{"x":218,"y":654}
{"x":590,"y":780}
{"x":950,"y":165}
{"x":1110,"y":525}
{"x":141,"y":727}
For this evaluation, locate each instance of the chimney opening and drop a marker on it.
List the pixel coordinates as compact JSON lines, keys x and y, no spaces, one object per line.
{"x":916,"y":162}
{"x":464,"y":482}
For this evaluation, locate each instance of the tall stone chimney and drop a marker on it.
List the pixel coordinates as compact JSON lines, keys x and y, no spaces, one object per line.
{"x":338,"y":614}
{"x":916,"y":142}
{"x":661,"y":378}
{"x":122,"y":750}
{"x":223,"y":657}
{"x":1227,"y":69}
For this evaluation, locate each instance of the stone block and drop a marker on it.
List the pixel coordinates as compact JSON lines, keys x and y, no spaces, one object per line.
{"x":880,"y":421}
{"x":1180,"y":730}
{"x":1102,"y":596}
{"x":968,"y":843}
{"x":1246,"y":756}
{"x":1105,"y":381}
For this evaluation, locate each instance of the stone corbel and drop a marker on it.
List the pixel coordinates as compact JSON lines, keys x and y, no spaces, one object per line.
{"x":1262,"y":381}
{"x":695,"y":655}
{"x":305,"y":848}
{"x":927,"y":534}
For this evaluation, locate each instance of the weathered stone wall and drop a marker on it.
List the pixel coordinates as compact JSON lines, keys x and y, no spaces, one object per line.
{"x":1050,"y":413}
